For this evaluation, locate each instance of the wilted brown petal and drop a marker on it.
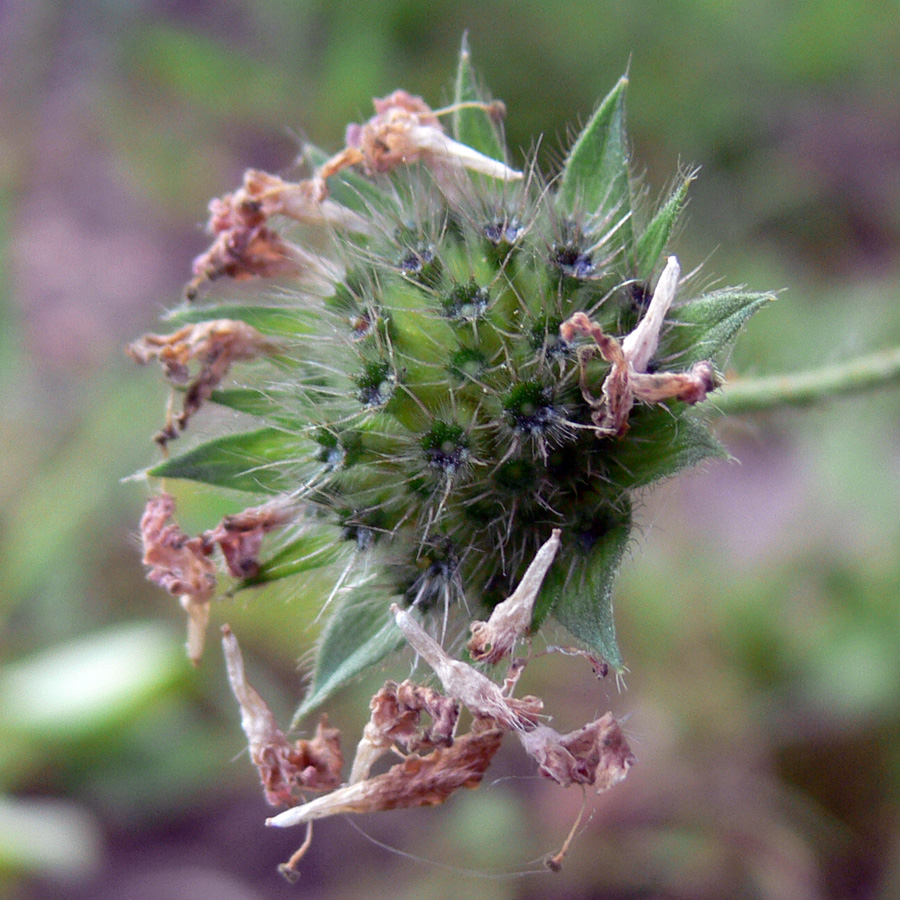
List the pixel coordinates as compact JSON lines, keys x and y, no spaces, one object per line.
{"x":179,"y":564}
{"x":240,"y":536}
{"x":511,"y":619}
{"x":284,"y":768}
{"x":417,"y":781}
{"x":214,"y":346}
{"x":396,"y":714}
{"x":597,"y":754}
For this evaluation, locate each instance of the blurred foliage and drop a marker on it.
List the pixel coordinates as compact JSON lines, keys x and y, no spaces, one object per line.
{"x":759,"y":617}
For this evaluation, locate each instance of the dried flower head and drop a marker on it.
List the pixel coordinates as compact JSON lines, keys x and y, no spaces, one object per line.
{"x":463,"y":362}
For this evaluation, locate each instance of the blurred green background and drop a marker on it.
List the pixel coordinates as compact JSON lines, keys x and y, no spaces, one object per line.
{"x":759,"y":614}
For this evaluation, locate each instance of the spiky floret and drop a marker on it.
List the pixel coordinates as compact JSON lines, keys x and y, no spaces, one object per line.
{"x":445,"y":405}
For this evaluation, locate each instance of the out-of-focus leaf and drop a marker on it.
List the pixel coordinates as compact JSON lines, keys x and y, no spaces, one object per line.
{"x":580,"y":594}
{"x":473,"y":126}
{"x":359,"y":634}
{"x":85,"y":686}
{"x":705,"y":328}
{"x":595,"y":180}
{"x":309,"y":551}
{"x":51,"y":838}
{"x":655,"y":236}
{"x":255,"y":461}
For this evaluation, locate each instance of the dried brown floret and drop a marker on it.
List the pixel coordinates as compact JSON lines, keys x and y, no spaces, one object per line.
{"x":240,"y":536}
{"x":213,"y":346}
{"x":596,"y":754}
{"x":628,"y":379}
{"x":405,"y":130}
{"x":481,"y":696}
{"x":417,"y":781}
{"x":285,"y":768}
{"x":511,"y":619}
{"x":396,"y":719}
{"x":181,"y":565}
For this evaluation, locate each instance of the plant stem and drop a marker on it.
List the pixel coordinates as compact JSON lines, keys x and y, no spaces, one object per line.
{"x":770,"y":392}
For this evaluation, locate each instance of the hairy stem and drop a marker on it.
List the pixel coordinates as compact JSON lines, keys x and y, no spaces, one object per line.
{"x":745,"y":395}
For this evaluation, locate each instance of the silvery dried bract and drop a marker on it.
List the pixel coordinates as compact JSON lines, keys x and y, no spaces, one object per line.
{"x":510,"y":621}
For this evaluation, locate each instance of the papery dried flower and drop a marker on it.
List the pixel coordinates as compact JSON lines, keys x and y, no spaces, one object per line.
{"x":285,"y":769}
{"x":628,"y":379}
{"x":179,"y":564}
{"x":396,"y":717}
{"x":240,"y":535}
{"x":245,"y":246}
{"x":596,"y":754}
{"x":417,"y":781}
{"x":511,"y":619}
{"x":481,"y":696}
{"x":214,"y":346}
{"x":403,"y":131}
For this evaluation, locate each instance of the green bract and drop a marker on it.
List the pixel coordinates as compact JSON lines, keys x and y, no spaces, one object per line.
{"x":427,"y":415}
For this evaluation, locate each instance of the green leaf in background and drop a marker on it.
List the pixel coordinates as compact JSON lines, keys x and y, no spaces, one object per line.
{"x":705,"y":328}
{"x":359,"y":634}
{"x":53,"y":838}
{"x":473,"y":126}
{"x":277,"y":321}
{"x":303,"y":554}
{"x":580,"y":595}
{"x":595,"y":179}
{"x":86,"y":686}
{"x":255,"y":461}
{"x":660,"y":446}
{"x":655,"y":236}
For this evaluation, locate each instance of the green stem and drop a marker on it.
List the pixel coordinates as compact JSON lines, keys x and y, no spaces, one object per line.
{"x":753,"y":394}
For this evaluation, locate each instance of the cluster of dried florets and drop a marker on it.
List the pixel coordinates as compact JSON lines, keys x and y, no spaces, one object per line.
{"x":435,"y":760}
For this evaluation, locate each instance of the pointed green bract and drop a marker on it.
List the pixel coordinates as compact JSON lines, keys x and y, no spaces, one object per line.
{"x":472,"y":126}
{"x":359,"y":634}
{"x":661,"y":447}
{"x":655,"y":237}
{"x":595,"y":178}
{"x":706,"y":328}
{"x":580,"y":596}
{"x":310,"y":551}
{"x":257,"y":461}
{"x":276,"y":321}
